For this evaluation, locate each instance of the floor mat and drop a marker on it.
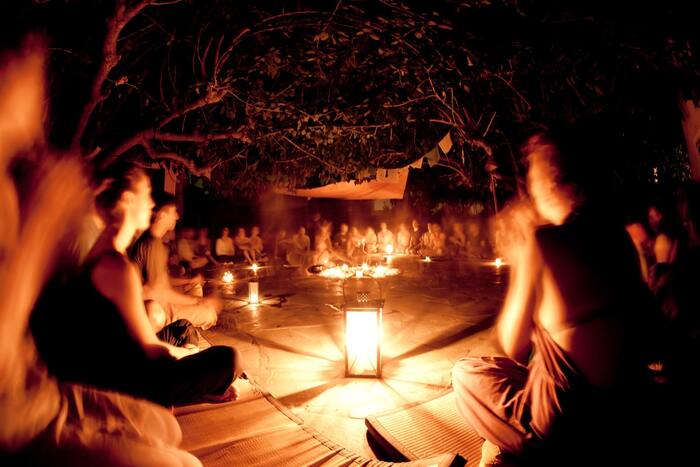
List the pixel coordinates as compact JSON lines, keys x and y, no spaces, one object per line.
{"x":257,"y":430}
{"x":421,"y":430}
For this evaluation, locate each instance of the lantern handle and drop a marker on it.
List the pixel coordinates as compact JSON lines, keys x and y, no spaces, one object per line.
{"x":379,"y":286}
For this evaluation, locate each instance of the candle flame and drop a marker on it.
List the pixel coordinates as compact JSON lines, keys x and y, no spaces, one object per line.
{"x":389,"y":249}
{"x":228,"y":277}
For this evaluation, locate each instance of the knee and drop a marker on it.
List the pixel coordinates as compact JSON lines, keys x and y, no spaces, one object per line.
{"x":156,"y":314}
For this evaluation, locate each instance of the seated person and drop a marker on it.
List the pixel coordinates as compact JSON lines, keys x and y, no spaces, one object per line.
{"x":385,"y":237}
{"x":355,"y":243}
{"x":576,"y":307}
{"x":243,"y":248}
{"x":403,"y":239}
{"x":340,"y":240}
{"x":299,"y":249}
{"x":225,"y":250}
{"x":416,"y":235}
{"x":457,"y":241}
{"x":256,"y":244}
{"x":475,"y":243}
{"x":185,"y":251}
{"x":282,"y":243}
{"x":151,"y":257}
{"x":427,"y":241}
{"x":370,"y":241}
{"x":46,"y":421}
{"x":439,"y":240}
{"x":107,"y":339}
{"x":202,"y":246}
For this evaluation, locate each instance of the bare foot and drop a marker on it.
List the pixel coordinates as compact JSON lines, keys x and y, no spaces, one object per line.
{"x":231,"y":394}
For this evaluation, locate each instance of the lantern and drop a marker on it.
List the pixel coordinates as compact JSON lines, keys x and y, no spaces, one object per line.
{"x":363,"y":333}
{"x":253,"y":292}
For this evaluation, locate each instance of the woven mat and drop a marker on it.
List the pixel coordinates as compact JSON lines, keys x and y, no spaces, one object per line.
{"x":257,"y":430}
{"x":424,"y":429}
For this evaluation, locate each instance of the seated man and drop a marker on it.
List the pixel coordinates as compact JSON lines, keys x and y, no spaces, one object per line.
{"x":225,"y":250}
{"x":185,"y":250}
{"x":151,"y":256}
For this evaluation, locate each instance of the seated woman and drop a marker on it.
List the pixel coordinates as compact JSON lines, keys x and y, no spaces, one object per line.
{"x":371,"y":242}
{"x":385,"y":237}
{"x":457,"y":241}
{"x":225,"y":250}
{"x":403,"y":239}
{"x":106,"y":338}
{"x":256,"y":244}
{"x":46,"y":421}
{"x":186,"y":251}
{"x":355,"y":242}
{"x":575,"y":306}
{"x":299,"y":249}
{"x":203,"y":245}
{"x":242,"y":243}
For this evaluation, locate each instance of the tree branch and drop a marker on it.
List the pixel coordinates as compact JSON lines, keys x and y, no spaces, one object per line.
{"x":110,"y":59}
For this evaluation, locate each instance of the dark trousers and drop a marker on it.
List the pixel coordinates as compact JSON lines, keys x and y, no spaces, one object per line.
{"x":176,"y":382}
{"x":179,"y":333}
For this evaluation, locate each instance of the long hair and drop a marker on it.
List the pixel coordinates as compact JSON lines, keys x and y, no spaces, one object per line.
{"x":111,"y":184}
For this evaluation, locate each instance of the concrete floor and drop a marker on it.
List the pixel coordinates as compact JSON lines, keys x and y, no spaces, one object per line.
{"x":434,"y":314}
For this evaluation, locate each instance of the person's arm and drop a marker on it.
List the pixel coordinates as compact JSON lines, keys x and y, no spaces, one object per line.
{"x":118,"y":281}
{"x":514,"y":325}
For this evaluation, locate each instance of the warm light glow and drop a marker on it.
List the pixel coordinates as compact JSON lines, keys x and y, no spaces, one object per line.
{"x":362,"y":337}
{"x":344,"y":271}
{"x":228,"y":277}
{"x":389,"y":258}
{"x":365,"y":266}
{"x":255,"y":267}
{"x":498,"y":262}
{"x":253,"y":292}
{"x":389,"y":249}
{"x":427,"y":259}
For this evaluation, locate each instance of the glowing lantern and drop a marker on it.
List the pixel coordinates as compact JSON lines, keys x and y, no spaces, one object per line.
{"x":253,"y":292}
{"x":228,"y":277}
{"x":363,"y":335}
{"x":389,"y":249}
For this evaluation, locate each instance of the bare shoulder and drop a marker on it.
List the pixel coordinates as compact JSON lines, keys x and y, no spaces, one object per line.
{"x":111,"y":273}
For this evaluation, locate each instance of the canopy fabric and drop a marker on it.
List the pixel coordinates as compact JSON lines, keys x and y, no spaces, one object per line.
{"x":390,"y":186}
{"x":388,"y":183}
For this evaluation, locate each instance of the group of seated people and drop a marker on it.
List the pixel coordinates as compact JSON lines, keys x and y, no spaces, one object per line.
{"x":87,"y":375}
{"x":354,"y":244}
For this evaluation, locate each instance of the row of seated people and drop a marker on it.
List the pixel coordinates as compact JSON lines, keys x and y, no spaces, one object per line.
{"x":349,"y":245}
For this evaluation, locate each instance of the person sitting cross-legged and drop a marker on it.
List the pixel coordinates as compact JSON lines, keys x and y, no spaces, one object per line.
{"x":151,"y":256}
